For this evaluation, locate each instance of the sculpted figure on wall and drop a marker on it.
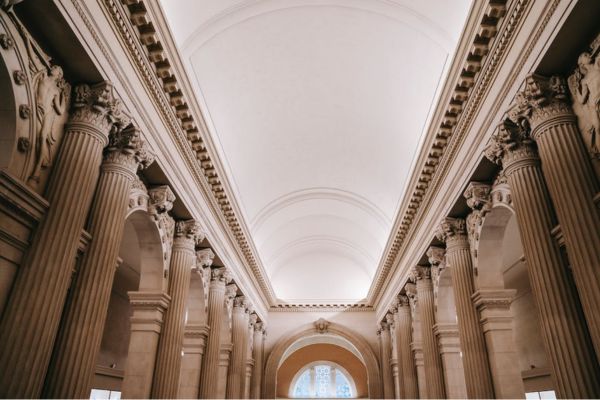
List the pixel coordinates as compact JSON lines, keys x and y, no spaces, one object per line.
{"x":584,"y":85}
{"x":52,"y":94}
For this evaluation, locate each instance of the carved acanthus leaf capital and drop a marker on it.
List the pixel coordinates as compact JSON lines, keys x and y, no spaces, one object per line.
{"x":542,"y":99}
{"x":204,"y":257}
{"x":253,"y":320}
{"x":511,"y":144}
{"x":394,"y":306}
{"x":436,"y":255}
{"x":403,"y":300}
{"x":259,"y":327}
{"x":452,"y":231}
{"x":97,"y":105}
{"x":190,"y":231}
{"x":231,"y":291}
{"x":161,"y":200}
{"x":477,"y":195}
{"x":384,"y":325}
{"x":389,"y":318}
{"x":422,"y":272}
{"x":220,"y":275}
{"x":127,"y":149}
{"x":240,"y":302}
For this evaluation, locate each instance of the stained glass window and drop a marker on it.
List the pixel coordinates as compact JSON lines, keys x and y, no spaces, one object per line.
{"x":322,"y":381}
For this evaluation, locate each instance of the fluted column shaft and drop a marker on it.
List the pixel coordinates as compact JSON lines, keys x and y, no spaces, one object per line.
{"x":237,"y":369}
{"x":433,"y":363}
{"x":572,"y":184}
{"x":406,"y":363}
{"x":257,"y":354}
{"x":575,"y":368}
{"x":478,"y":378}
{"x":73,"y":362}
{"x":209,"y":374}
{"x":168,"y":360}
{"x":30,"y":321}
{"x":386,"y":353}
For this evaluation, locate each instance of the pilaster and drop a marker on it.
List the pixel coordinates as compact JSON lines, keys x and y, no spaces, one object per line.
{"x":237,"y":370}
{"x":497,"y":324}
{"x":449,"y":347}
{"x":386,"y":352}
{"x":406,"y":362}
{"x":258,"y":355}
{"x":194,"y":344}
{"x":148,"y":310}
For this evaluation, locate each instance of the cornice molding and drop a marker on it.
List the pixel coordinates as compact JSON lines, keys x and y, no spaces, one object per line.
{"x":350,"y":307}
{"x":457,"y":94}
{"x":155,"y":60}
{"x":512,"y":24}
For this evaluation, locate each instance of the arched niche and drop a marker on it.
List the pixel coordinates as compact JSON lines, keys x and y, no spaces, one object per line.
{"x":501,"y":265}
{"x":140,"y":270}
{"x":312,"y":335}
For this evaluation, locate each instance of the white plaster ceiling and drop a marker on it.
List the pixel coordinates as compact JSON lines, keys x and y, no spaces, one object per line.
{"x":317,"y":108}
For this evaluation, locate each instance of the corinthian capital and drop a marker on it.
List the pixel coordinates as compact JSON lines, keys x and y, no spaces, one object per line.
{"x":452,"y":229}
{"x":161,"y":200}
{"x":436,"y":255}
{"x":98,"y":107}
{"x":220,"y":275}
{"x":126,"y":149}
{"x":204,"y":257}
{"x":422,"y":272}
{"x":259,"y":327}
{"x":477,"y":195}
{"x":231,"y":291}
{"x":189,"y":232}
{"x":403,"y":300}
{"x":542,"y":99}
{"x":389,"y":318}
{"x":253,"y":320}
{"x":240,"y":302}
{"x":511,"y":145}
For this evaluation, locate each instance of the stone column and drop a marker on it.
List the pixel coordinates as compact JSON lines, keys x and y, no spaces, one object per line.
{"x":386,"y":353}
{"x":257,"y":354}
{"x":194,"y":343}
{"x":30,"y":322}
{"x":571,"y":181}
{"x":417,"y":342}
{"x":449,"y":347}
{"x":249,"y":354}
{"x":73,"y":362}
{"x":209,"y":374}
{"x":224,"y":361}
{"x":183,"y":258}
{"x":406,"y":364}
{"x":474,"y":353}
{"x":237,"y":369}
{"x":393,"y":349}
{"x":434,"y":376}
{"x":496,"y":321}
{"x":575,"y":368}
{"x":146,"y":323}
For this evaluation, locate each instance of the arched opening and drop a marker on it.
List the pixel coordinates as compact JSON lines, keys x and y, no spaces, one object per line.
{"x":322,"y":379}
{"x":310,"y":344}
{"x":140,"y":271}
{"x":501,"y":265}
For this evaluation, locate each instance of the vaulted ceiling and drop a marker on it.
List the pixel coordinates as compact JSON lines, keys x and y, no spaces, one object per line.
{"x":317,"y":108}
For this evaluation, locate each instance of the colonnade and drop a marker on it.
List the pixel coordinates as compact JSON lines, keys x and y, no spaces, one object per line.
{"x":546,"y":178}
{"x":53,"y":322}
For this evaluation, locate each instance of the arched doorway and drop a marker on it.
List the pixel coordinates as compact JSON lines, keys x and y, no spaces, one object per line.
{"x":315,"y":343}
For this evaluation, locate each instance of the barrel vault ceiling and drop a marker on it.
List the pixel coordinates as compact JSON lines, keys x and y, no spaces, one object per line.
{"x":317,"y":108}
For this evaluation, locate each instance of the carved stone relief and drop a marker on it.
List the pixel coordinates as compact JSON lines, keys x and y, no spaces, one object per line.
{"x":584,"y":85}
{"x":42,"y":107}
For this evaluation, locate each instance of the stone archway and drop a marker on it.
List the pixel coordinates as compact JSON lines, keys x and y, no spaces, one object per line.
{"x":328,"y":329}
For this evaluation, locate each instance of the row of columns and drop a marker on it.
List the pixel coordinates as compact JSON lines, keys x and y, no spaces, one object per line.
{"x":52,"y":325}
{"x":551,"y":180}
